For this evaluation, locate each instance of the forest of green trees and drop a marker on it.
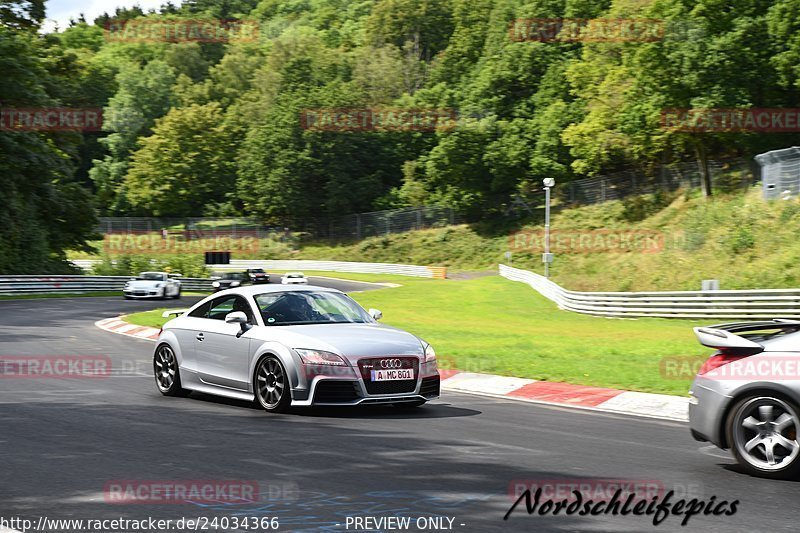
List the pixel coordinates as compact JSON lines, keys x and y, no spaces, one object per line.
{"x":196,"y":128}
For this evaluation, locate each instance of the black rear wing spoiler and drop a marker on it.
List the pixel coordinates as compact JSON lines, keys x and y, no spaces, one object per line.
{"x":758,"y":325}
{"x":727,"y":336}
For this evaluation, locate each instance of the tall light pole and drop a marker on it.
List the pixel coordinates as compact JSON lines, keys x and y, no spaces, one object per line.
{"x":547,"y":257}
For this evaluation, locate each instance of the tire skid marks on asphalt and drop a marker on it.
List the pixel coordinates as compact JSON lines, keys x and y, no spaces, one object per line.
{"x":84,"y":396}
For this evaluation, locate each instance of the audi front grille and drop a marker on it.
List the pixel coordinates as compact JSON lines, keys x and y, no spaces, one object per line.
{"x":402,"y":386}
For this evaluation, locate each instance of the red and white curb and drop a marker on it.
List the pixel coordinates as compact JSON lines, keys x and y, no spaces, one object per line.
{"x":661,"y":406}
{"x":118,"y":325}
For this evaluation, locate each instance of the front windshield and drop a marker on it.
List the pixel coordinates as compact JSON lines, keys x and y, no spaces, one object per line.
{"x":309,"y":307}
{"x":256,"y":270}
{"x":153,"y":276}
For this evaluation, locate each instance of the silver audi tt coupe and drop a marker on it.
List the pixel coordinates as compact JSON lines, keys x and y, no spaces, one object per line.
{"x":746,"y":396}
{"x":289,"y":346}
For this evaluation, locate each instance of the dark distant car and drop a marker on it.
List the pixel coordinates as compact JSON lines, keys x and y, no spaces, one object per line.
{"x":257,"y":275}
{"x":229,"y":280}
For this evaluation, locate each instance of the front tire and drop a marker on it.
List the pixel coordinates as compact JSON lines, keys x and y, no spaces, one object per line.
{"x":167,"y":373}
{"x":762,"y":433}
{"x":271,"y":385}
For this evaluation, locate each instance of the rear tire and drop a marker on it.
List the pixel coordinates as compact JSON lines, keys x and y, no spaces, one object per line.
{"x":271,"y":385}
{"x":167,"y":373}
{"x":762,"y":432}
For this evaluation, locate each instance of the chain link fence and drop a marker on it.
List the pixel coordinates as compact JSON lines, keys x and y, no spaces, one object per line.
{"x":780,"y":173}
{"x":356,"y":226}
{"x":361,"y":225}
{"x":194,"y":227}
{"x":737,"y":173}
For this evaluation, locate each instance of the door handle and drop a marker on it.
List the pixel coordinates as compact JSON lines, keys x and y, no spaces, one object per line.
{"x":200,"y":336}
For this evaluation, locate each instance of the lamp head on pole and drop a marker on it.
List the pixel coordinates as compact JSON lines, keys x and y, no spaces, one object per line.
{"x":549,"y":182}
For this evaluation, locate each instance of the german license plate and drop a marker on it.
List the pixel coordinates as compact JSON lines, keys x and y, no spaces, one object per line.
{"x":393,"y":374}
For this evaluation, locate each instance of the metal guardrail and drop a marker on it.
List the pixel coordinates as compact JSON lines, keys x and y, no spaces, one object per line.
{"x":739,"y":304}
{"x":21,"y":285}
{"x":302,"y":264}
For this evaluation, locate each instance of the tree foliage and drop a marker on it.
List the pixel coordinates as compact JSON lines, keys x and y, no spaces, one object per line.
{"x":200,"y":127}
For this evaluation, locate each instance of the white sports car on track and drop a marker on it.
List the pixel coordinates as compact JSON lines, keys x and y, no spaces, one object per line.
{"x":294,"y":278}
{"x":285,"y":346}
{"x":153,"y":285}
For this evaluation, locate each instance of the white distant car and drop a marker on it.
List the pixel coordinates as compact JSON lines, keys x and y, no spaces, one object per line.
{"x":152,"y":285}
{"x":291,"y":278}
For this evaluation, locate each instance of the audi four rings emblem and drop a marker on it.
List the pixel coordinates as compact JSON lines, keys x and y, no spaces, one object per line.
{"x":391,"y":363}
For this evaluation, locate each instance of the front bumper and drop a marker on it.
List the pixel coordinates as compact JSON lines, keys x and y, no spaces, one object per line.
{"x":139,"y":293}
{"x":347,"y":387}
{"x":707,"y":407}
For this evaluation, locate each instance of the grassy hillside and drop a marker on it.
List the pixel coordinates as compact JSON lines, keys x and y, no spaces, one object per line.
{"x":737,"y":238}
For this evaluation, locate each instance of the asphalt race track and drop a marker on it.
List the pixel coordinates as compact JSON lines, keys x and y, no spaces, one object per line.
{"x":63,"y":441}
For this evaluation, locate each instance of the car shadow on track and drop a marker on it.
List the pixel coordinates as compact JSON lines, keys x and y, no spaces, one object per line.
{"x":737,"y":469}
{"x":430,"y":410}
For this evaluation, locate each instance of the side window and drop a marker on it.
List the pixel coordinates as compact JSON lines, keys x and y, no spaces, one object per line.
{"x":228,"y":304}
{"x":202,"y":311}
{"x":217,"y":309}
{"x":221,"y":307}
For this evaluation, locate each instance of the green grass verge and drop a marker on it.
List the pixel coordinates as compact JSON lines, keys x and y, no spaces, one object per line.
{"x":497,"y":326}
{"x":152,"y":319}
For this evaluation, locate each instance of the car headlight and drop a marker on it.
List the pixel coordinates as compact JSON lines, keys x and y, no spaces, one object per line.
{"x":234,"y":284}
{"x":215,"y":284}
{"x":159,"y":285}
{"x":430,"y":355}
{"x":319,"y":357}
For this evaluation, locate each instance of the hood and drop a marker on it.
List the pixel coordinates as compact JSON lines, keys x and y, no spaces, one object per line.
{"x":353,"y":341}
{"x":143,"y":283}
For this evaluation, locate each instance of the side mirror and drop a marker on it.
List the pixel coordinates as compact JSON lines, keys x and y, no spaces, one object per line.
{"x":374,"y":313}
{"x":238,"y":317}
